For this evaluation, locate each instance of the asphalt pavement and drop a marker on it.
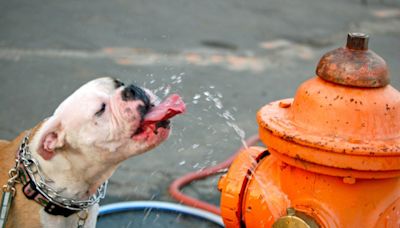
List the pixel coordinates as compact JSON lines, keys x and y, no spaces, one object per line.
{"x":225,"y":58}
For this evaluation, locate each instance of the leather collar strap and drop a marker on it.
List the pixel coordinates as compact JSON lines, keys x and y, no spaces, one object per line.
{"x":30,"y":191}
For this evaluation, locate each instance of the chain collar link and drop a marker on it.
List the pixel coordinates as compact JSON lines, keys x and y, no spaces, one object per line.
{"x":32,"y":167}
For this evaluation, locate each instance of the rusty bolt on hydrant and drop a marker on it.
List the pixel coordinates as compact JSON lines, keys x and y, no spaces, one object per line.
{"x":334,"y":151}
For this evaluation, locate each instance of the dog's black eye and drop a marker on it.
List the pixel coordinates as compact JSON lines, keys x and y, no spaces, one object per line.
{"x":101,"y":110}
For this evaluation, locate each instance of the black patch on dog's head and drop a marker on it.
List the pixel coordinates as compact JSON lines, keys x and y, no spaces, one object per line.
{"x":117,"y":83}
{"x":133,"y":92}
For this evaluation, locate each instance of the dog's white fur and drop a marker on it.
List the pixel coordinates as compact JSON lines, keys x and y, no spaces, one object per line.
{"x":79,"y":150}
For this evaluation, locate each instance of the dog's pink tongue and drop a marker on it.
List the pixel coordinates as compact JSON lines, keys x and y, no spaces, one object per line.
{"x":170,"y":107}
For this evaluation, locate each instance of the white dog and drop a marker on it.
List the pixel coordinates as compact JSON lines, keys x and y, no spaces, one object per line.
{"x":78,"y":148}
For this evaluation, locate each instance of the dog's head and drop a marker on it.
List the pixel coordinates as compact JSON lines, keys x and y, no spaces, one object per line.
{"x":108,"y":121}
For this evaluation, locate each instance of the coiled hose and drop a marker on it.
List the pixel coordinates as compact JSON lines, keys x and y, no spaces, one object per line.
{"x":164,"y":206}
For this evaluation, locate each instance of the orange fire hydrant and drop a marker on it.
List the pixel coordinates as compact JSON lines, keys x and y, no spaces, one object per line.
{"x":333,"y":157}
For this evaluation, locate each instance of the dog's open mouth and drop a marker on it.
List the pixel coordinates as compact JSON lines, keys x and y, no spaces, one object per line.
{"x":158,"y":116}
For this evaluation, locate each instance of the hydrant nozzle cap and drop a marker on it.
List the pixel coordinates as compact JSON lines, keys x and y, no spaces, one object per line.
{"x":354,"y":65}
{"x":357,"y":41}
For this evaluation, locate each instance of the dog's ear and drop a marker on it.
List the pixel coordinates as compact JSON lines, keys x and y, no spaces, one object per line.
{"x":52,"y":138}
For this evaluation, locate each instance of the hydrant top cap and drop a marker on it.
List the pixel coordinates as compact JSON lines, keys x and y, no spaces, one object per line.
{"x":354,"y":65}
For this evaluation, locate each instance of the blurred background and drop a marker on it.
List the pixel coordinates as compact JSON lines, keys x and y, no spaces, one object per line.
{"x":226,"y":58}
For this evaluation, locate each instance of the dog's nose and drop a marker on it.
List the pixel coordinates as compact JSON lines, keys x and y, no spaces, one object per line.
{"x":133,"y":92}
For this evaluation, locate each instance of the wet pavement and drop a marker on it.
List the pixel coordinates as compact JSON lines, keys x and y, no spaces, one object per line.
{"x":226,"y":59}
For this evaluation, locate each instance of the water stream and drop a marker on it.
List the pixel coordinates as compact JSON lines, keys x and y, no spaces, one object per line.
{"x":210,"y":95}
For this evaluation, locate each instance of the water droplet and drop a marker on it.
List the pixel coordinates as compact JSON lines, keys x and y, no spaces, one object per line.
{"x":194,"y":146}
{"x":218,"y":103}
{"x":167,"y":90}
{"x":196,"y":96}
{"x":228,"y":115}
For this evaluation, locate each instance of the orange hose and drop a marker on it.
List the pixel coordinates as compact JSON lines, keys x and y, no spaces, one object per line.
{"x":177,"y":184}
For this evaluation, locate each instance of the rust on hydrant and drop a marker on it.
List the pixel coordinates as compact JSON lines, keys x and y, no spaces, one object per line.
{"x":354,"y":65}
{"x":334,"y":151}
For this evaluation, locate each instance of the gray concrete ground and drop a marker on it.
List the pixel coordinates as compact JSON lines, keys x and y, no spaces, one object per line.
{"x":246,"y":53}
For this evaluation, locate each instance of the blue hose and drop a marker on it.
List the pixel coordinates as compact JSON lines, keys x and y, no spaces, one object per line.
{"x":165,"y":206}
